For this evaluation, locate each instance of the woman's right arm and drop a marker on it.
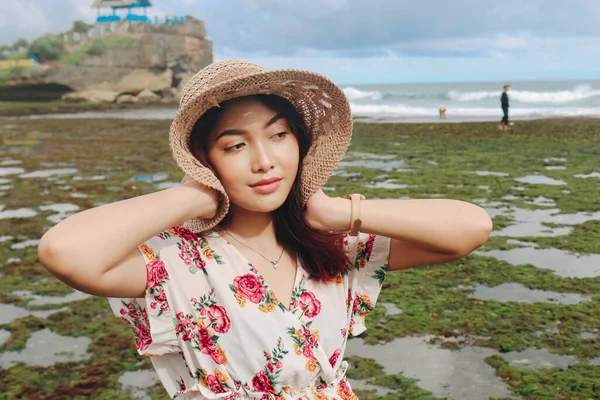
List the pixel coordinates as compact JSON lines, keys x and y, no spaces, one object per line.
{"x":96,"y":251}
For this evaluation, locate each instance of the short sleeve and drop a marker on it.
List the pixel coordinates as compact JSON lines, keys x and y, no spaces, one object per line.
{"x":370,"y":255}
{"x":150,"y":317}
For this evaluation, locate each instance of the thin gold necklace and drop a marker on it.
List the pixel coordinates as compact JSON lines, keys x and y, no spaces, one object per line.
{"x":274,"y":263}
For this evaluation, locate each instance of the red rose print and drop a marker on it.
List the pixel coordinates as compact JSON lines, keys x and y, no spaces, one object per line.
{"x":270,"y":367}
{"x":345,"y":392}
{"x":310,"y":304}
{"x":195,"y":253}
{"x":185,"y":326}
{"x":250,"y":287}
{"x":278,"y":364}
{"x":333,"y":359}
{"x":308,"y":353}
{"x":214,"y":384}
{"x":144,"y":340}
{"x":205,"y":342}
{"x":356,"y":304}
{"x":369,"y":247}
{"x":218,"y":356}
{"x":219,"y":319}
{"x":162,"y":297}
{"x":199,"y":263}
{"x":261,"y":383}
{"x":184,"y":233}
{"x":156,"y":273}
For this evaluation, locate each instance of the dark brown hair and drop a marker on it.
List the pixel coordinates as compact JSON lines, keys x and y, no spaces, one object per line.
{"x":322,"y":253}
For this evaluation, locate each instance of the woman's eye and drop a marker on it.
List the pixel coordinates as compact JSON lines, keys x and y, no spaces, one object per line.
{"x":280,"y":134}
{"x":235,"y":147}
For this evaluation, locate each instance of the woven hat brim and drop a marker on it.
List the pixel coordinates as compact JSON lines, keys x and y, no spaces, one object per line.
{"x":321,"y":103}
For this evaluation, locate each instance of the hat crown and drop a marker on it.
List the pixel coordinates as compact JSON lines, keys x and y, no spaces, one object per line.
{"x":215,"y":74}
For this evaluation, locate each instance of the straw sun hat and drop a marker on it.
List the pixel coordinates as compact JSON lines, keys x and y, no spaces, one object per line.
{"x":320,"y":102}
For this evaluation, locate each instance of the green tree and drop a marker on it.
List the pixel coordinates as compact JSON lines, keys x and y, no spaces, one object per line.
{"x":46,"y":48}
{"x":80,"y":26}
{"x":20,"y":44}
{"x":96,"y":48}
{"x":5,"y":52}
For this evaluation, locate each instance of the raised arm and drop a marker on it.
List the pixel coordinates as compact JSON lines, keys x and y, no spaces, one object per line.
{"x":423,"y":232}
{"x":95,"y":251}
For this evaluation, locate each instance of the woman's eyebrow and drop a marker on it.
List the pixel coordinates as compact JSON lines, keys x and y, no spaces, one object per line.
{"x":276,"y":118}
{"x":230,"y":132}
{"x":233,"y":132}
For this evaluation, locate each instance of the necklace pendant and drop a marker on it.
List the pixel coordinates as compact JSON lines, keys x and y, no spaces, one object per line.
{"x":274,"y":264}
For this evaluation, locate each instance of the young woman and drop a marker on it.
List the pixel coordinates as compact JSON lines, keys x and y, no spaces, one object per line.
{"x":246,"y":280}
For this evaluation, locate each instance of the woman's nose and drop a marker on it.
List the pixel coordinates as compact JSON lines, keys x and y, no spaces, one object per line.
{"x":263,"y":158}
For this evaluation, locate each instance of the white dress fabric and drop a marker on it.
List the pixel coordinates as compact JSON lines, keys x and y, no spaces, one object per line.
{"x":215,"y":330}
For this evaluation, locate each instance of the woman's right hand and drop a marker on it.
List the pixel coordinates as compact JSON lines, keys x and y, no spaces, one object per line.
{"x":207,"y":202}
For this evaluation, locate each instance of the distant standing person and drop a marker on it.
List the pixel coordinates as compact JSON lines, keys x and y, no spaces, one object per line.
{"x":504,"y":126}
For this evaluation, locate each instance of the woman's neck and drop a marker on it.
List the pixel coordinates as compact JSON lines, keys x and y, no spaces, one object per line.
{"x":257,"y":228}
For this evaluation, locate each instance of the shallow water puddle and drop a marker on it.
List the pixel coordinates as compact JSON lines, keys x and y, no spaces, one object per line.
{"x":529,"y":222}
{"x":540,"y":180}
{"x":389,"y":166}
{"x":555,"y":159}
{"x":45,"y":348}
{"x":388,"y":184}
{"x":364,"y":385}
{"x":90,"y":178}
{"x":542,"y":201}
{"x":458,"y":374}
{"x":590,"y":175}
{"x":561,"y":262}
{"x":9,"y":313}
{"x":166,"y":185}
{"x":37,"y":300}
{"x":372,"y":156}
{"x":491,"y":173}
{"x":516,"y":292}
{"x":11,"y":171}
{"x":139,"y":381}
{"x":18,"y":213}
{"x":25,"y":244}
{"x":62,"y":210}
{"x":391,"y":308}
{"x":149,"y":178}
{"x":538,"y":358}
{"x":11,"y":162}
{"x":4,"y":336}
{"x":47,"y":173}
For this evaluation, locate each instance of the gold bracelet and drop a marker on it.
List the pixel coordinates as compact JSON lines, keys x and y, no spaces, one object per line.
{"x":355,"y":220}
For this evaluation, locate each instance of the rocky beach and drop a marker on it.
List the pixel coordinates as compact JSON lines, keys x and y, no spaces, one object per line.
{"x":518,"y":319}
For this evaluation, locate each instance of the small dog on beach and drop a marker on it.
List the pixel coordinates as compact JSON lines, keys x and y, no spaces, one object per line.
{"x":442,"y":112}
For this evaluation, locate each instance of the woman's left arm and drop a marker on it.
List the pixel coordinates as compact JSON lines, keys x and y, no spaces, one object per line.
{"x":422,"y":232}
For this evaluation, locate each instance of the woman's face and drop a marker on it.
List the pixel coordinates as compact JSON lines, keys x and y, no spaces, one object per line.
{"x":255,"y":155}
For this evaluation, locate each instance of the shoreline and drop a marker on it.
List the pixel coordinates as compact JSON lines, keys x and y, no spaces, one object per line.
{"x":167,"y":111}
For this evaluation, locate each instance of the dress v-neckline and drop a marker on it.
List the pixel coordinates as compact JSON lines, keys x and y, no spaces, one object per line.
{"x":297,"y":276}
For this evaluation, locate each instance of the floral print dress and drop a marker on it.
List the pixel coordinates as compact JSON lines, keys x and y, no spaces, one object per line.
{"x":215,"y":330}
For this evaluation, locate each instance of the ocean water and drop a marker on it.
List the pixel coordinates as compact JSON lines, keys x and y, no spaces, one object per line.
{"x":421,"y":102}
{"x":474,"y":101}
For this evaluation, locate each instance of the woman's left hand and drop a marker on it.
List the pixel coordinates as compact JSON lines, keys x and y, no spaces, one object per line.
{"x":327,"y":213}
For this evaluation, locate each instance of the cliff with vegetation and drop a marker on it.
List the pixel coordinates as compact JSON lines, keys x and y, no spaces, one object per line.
{"x":117,"y":62}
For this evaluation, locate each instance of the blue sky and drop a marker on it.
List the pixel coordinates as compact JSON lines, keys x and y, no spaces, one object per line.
{"x":373,"y":41}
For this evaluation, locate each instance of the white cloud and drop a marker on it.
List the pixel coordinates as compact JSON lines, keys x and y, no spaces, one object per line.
{"x":24,"y":16}
{"x":509,"y":42}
